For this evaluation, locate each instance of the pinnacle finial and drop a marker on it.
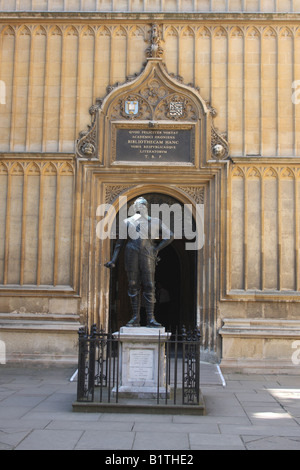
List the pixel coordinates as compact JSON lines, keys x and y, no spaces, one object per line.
{"x":154,"y":50}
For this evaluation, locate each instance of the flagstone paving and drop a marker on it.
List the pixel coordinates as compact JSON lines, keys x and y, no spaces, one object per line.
{"x":248,"y":412}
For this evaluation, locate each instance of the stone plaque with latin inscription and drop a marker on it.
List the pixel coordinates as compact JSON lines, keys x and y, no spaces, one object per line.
{"x":174,"y":144}
{"x":141,"y":364}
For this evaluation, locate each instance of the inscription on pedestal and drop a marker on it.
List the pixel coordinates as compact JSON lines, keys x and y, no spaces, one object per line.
{"x":141,"y":364}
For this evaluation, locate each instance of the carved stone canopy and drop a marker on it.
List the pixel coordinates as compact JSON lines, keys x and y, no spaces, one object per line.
{"x":154,"y":99}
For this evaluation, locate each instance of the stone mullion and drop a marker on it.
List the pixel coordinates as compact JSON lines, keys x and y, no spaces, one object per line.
{"x":260,"y":93}
{"x":78,"y":84}
{"x":93,"y":264}
{"x":7,"y":226}
{"x":279,"y":231}
{"x":56,"y":229}
{"x":23,"y":239}
{"x":194,"y":56}
{"x":215,"y":236}
{"x":29,"y":93}
{"x":40,"y":229}
{"x":128,"y":50}
{"x":205,"y":301}
{"x":95,"y":62}
{"x":210,"y":251}
{"x":11,"y":83}
{"x":277,"y":93}
{"x":196,"y":48}
{"x":229,"y":230}
{"x":97,"y":256}
{"x":111,"y":56}
{"x":293,"y":80}
{"x":61,"y":90}
{"x":178,"y":65}
{"x":262,"y":233}
{"x":296,"y":208}
{"x":46,"y":91}
{"x":1,"y":49}
{"x":245,"y":232}
{"x":227,"y":82}
{"x":14,"y":91}
{"x":244,"y":107}
{"x":297,"y":104}
{"x":211,"y":67}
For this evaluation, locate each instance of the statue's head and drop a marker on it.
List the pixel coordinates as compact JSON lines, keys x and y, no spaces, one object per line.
{"x":141,"y":204}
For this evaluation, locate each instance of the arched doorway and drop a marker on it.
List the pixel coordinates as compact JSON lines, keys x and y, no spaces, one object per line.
{"x":176,"y":286}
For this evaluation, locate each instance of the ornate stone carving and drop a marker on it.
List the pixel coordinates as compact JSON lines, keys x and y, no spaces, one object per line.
{"x":36,"y":168}
{"x":157,"y":98}
{"x":144,"y":108}
{"x":154,"y":91}
{"x":155,"y":49}
{"x":195,"y":192}
{"x":113,"y":191}
{"x":156,"y":102}
{"x":266,"y":172}
{"x":219,"y":145}
{"x":176,"y":107}
{"x":86,"y":145}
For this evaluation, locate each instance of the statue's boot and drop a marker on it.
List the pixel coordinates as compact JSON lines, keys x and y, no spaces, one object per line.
{"x":151,"y":322}
{"x":135,"y":306}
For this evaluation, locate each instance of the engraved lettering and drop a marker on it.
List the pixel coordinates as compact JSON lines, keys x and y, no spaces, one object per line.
{"x":169,"y":145}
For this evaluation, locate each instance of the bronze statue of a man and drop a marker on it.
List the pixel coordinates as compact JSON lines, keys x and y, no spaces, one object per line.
{"x":141,"y":258}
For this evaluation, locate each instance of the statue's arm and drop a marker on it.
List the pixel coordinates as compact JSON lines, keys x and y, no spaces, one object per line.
{"x":118,"y":248}
{"x":167,"y":237}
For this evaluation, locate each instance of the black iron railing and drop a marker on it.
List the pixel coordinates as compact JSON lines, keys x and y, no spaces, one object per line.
{"x":99,"y":366}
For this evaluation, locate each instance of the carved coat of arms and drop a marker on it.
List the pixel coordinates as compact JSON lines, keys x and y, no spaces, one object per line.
{"x":131,"y":107}
{"x":176,"y":108}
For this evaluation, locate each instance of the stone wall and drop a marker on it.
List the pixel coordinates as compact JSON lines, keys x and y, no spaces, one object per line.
{"x":153,"y":5}
{"x":55,"y":64}
{"x":53,"y":71}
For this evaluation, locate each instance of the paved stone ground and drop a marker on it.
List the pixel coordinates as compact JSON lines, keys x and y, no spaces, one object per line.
{"x":254,"y":412}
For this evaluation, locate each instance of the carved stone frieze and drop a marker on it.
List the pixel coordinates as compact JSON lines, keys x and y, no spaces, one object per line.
{"x":36,"y":168}
{"x":114,"y":191}
{"x":195,"y":192}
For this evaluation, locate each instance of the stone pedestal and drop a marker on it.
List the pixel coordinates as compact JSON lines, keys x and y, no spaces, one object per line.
{"x":142,"y":362}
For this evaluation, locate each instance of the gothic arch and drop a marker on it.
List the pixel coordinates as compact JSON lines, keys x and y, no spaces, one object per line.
{"x":16,"y":169}
{"x":252,"y":32}
{"x":8,"y":31}
{"x":33,"y":169}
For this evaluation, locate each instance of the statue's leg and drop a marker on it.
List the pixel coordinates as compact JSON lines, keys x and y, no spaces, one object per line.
{"x":135,"y":297}
{"x":148,"y":282}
